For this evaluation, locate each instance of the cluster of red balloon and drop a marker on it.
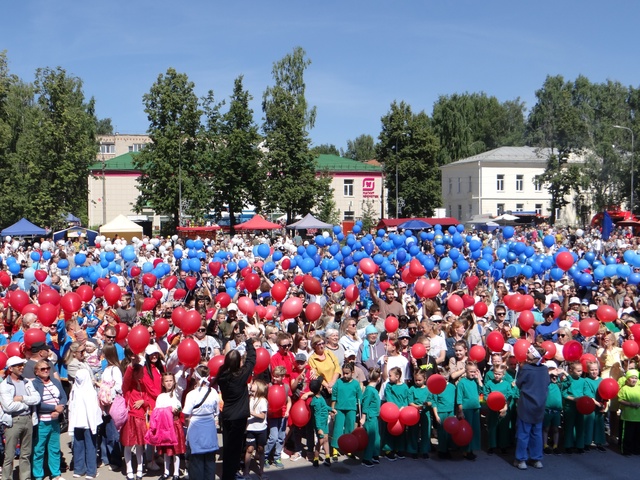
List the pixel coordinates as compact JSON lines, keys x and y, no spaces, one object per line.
{"x":460,"y":430}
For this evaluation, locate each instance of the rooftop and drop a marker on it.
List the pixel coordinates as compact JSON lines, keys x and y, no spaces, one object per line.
{"x":507,"y":155}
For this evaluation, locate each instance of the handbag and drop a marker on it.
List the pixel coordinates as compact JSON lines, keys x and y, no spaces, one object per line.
{"x":119,"y":412}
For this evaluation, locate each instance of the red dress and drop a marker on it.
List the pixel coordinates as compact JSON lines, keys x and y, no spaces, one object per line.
{"x":135,"y":427}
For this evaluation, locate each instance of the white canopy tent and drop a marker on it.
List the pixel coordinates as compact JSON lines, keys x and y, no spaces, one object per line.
{"x":122,"y":227}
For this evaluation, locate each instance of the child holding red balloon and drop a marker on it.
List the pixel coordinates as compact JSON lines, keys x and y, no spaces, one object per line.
{"x":256,"y":427}
{"x":345,"y":401}
{"x":594,"y":422}
{"x":573,"y":387}
{"x":369,"y":419}
{"x":320,"y":411}
{"x":443,"y":405}
{"x":419,"y":435}
{"x":468,"y":405}
{"x":277,"y":420}
{"x":396,"y":392}
{"x":498,"y":420}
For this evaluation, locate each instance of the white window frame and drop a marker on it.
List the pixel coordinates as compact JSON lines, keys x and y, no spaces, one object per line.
{"x":500,"y":182}
{"x":347,"y":187}
{"x":519,"y":183}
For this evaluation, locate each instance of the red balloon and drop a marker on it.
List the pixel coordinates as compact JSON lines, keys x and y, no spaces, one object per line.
{"x":170,"y":282}
{"x":149,"y":279}
{"x":351,"y":293}
{"x":630,"y":348}
{"x":260,"y":310}
{"x":526,"y":320}
{"x":480,"y":309}
{"x":277,"y":397}
{"x":606,"y":313}
{"x":138,"y":339}
{"x":496,"y":401}
{"x":418,"y":351}
{"x":47,"y":314}
{"x":391,"y":324}
{"x":71,"y":302}
{"x":135,"y":271}
{"x":389,"y":412}
{"x":31,"y":308}
{"x":589,"y":327}
{"x":279,"y":291}
{"x":572,"y":351}
{"x":262,"y":360}
{"x":455,"y":304}
{"x":348,"y":443}
{"x":271,"y":310}
{"x":467,"y":301}
{"x":223,"y":299}
{"x":98,"y":293}
{"x":463,"y":435}
{"x":551,"y":349}
{"x":179,"y":293}
{"x":451,"y":425}
{"x":149,"y":304}
{"x":103,"y":282}
{"x":587,"y":358}
{"x":416,"y":268}
{"x":214,"y":268}
{"x":3,"y":360}
{"x":34,"y":335}
{"x":368,"y":266}
{"x":517,"y":302}
{"x":191,"y":322}
{"x":313,"y":312}
{"x":286,"y":263}
{"x":431,"y":288}
{"x":635,"y":330}
{"x":177,"y":315}
{"x":557,"y":309}
{"x":564,"y":260}
{"x":436,"y":384}
{"x":409,"y":416}
{"x":122,"y":330}
{"x":300,"y":413}
{"x":311,"y":285}
{"x":190,"y":282}
{"x":157,"y":294}
{"x":362,"y":436}
{"x":14,"y":349}
{"x":528,"y":302}
{"x":112,"y":294}
{"x":5,"y":280}
{"x":214,"y":365}
{"x":585,"y":405}
{"x":520,"y":349}
{"x":246,"y":306}
{"x":291,"y":308}
{"x":407,"y":277}
{"x":471,"y":282}
{"x":19,"y":299}
{"x":608,"y":388}
{"x":477,"y":353}
{"x":49,"y":295}
{"x":395,"y":428}
{"x":495,"y":341}
{"x":384,"y":286}
{"x":161,"y":327}
{"x":335,"y":287}
{"x":188,"y":353}
{"x":86,"y":292}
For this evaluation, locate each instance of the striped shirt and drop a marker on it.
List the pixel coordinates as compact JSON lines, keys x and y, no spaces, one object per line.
{"x":50,"y":396}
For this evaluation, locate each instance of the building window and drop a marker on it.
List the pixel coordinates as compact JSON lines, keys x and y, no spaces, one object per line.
{"x":459,"y":184}
{"x":348,"y":188}
{"x":450,"y":214}
{"x":538,"y":209}
{"x":107,"y":148}
{"x":470,"y":214}
{"x":450,"y":185}
{"x":459,"y":212}
{"x":519,"y":207}
{"x":519,"y":183}
{"x":500,"y":183}
{"x":349,"y":215}
{"x":469,"y":183}
{"x":500,"y":208}
{"x":537,"y":185}
{"x":136,"y":147}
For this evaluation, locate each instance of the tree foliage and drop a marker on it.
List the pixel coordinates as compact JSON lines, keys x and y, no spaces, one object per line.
{"x":362,"y":148}
{"x":408,"y":146}
{"x":291,"y":184}
{"x":325,"y":149}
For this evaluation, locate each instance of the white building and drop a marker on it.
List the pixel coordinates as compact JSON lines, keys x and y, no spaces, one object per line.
{"x":499,"y":181}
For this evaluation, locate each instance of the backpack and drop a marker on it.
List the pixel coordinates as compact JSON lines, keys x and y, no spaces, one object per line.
{"x":104,"y":393}
{"x":118,"y":412}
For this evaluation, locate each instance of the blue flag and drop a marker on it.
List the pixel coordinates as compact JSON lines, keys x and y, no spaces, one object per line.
{"x":607,"y":225}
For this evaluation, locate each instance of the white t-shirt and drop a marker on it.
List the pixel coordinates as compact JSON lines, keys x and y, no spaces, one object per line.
{"x":438,"y":344}
{"x":207,"y":345}
{"x":113,"y":374}
{"x":259,"y":405}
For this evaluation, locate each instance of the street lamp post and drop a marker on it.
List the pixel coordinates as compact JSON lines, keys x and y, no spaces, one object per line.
{"x":632,"y":162}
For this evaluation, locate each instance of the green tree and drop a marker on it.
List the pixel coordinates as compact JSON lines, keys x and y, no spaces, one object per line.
{"x":326,"y":210}
{"x":236,"y":159}
{"x":291,"y":184}
{"x":325,"y":149}
{"x":408,"y":149}
{"x":362,"y":148}
{"x":171,"y":165}
{"x":104,"y":127}
{"x":369,"y":216}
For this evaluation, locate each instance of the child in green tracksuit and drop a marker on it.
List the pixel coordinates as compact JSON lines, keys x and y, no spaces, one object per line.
{"x":443,"y":406}
{"x":573,"y":387}
{"x":594,"y":422}
{"x":498,"y":422}
{"x":419,"y":435}
{"x":320,"y":411}
{"x":552,"y":411}
{"x":345,"y":401}
{"x":396,"y":392}
{"x":369,"y":419}
{"x":468,"y":405}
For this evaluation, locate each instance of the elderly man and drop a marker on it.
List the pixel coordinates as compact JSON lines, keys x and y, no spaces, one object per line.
{"x":18,"y":398}
{"x":388,"y":306}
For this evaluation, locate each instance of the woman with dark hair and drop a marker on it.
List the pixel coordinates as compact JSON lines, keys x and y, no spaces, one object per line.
{"x":232,"y":380}
{"x":151,"y":388}
{"x":110,"y":449}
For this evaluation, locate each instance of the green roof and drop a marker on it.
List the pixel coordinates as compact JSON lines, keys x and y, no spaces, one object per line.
{"x":332,"y":163}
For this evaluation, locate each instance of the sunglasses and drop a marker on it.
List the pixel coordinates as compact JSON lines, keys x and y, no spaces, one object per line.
{"x":319,"y":344}
{"x":562,"y":335}
{"x":201,"y":330}
{"x":285,"y":345}
{"x":500,"y":314}
{"x":45,"y":369}
{"x":109,"y":337}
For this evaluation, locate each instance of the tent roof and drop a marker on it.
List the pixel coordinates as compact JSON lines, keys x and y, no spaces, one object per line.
{"x":394,"y":222}
{"x":309,"y":221}
{"x":121,"y":224}
{"x":23,"y":228}
{"x":258,"y":223}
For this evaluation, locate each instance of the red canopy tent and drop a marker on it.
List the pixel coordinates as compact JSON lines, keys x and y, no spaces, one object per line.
{"x":258,"y":223}
{"x":193,"y":232}
{"x":393,"y":223}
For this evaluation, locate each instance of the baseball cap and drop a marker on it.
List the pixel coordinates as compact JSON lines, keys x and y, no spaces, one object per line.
{"x":574,"y":300}
{"x":349,"y":353}
{"x":151,"y":349}
{"x":301,"y":357}
{"x":13,"y":361}
{"x":435,"y":318}
{"x":547,"y":311}
{"x":550,"y":364}
{"x":38,"y":347}
{"x":232,"y":307}
{"x":402,"y":285}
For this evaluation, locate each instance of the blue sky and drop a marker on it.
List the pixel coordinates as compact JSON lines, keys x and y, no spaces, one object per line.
{"x":364,"y":54}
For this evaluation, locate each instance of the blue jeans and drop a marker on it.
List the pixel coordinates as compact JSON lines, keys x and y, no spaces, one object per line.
{"x":528,"y":441}
{"x":277,"y":430}
{"x":47,"y":438}
{"x":84,"y":452}
{"x":110,"y":450}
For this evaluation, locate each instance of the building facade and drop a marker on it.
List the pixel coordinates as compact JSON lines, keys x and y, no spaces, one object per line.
{"x":500,"y":181}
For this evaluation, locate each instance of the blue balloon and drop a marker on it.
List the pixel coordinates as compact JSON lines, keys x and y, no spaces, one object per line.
{"x":46,"y":255}
{"x":610,"y":270}
{"x":585,"y":280}
{"x":110,"y":256}
{"x":277,"y":256}
{"x":483,"y":265}
{"x":629,"y":255}
{"x":319,"y":240}
{"x":590,"y":257}
{"x":351,"y":271}
{"x":177,"y":254}
{"x":415,"y":250}
{"x":79,"y":259}
{"x":527,"y":271}
{"x":14,"y":268}
{"x":307,"y":265}
{"x":232,"y":292}
{"x":429,"y":264}
{"x":35,"y":256}
{"x":231,"y":267}
{"x":634,"y":278}
{"x":549,"y":241}
{"x":378,"y":259}
{"x":189,"y":243}
{"x":598,"y":273}
{"x":511,"y":271}
{"x":316,"y":272}
{"x":104,"y":263}
{"x":381,"y":232}
{"x":463,"y":265}
{"x":611,"y":260}
{"x":184,"y":265}
{"x":357,"y":229}
{"x":454,"y":275}
{"x":63,"y":264}
{"x":194,"y":264}
{"x":263,"y":250}
{"x":502,"y":253}
{"x":147,"y":267}
{"x":337,"y":229}
{"x":230,"y":283}
{"x":333,"y":265}
{"x":340,"y":236}
{"x":445,"y":264}
{"x":508,"y":232}
{"x":454,"y":253}
{"x":390,"y":270}
{"x":439,"y":249}
{"x":623,"y":271}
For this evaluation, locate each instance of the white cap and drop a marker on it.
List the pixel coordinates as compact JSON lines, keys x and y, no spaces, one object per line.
{"x":232,"y":307}
{"x":435,"y":318}
{"x":574,"y":300}
{"x":550,"y":364}
{"x":565,"y":324}
{"x":15,"y":360}
{"x":349,"y":353}
{"x":151,"y":349}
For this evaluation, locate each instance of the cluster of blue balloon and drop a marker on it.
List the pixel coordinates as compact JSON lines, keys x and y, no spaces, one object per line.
{"x":107,"y":266}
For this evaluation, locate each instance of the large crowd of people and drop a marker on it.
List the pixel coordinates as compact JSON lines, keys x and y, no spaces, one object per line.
{"x":426,"y":344}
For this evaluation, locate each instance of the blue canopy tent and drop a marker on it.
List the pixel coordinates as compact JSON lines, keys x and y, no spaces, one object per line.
{"x":23,"y":228}
{"x":73,"y":232}
{"x":415,"y":224}
{"x":71,"y":218}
